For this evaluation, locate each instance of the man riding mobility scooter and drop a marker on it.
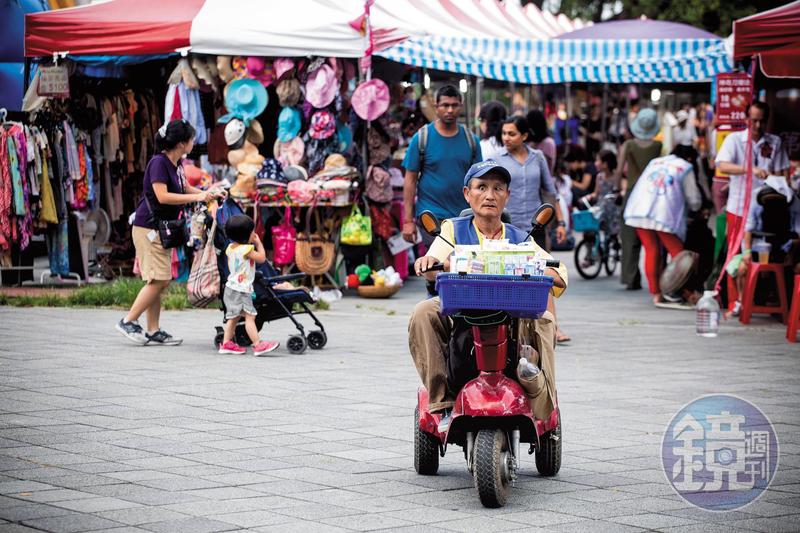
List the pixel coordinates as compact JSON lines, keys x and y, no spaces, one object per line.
{"x":492,"y":326}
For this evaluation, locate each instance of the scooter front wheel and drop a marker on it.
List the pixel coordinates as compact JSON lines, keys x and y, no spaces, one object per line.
{"x":493,"y":467}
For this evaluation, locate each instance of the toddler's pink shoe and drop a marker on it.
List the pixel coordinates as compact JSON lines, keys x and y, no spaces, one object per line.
{"x":264,"y":347}
{"x":232,"y":348}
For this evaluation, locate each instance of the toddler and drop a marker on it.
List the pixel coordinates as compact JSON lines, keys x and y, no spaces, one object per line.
{"x":243,"y":253}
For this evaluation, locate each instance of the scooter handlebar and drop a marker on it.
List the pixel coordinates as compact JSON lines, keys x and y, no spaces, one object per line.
{"x":434,"y":268}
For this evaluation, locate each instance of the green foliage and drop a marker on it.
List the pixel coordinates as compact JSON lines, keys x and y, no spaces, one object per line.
{"x":118,"y":294}
{"x":715,"y":16}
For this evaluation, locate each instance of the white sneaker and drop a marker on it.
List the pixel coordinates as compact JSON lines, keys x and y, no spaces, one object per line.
{"x":132,"y":331}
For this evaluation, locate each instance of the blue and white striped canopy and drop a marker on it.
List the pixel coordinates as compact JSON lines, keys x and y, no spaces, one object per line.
{"x":568,"y":60}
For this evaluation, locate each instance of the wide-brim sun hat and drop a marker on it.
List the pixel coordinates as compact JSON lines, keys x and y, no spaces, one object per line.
{"x":255,"y":133}
{"x":645,"y":126}
{"x":246,"y":99}
{"x":288,"y":92}
{"x":290,"y":153}
{"x":289,"y":123}
{"x":283,"y":66}
{"x":371,"y":99}
{"x":321,"y":87}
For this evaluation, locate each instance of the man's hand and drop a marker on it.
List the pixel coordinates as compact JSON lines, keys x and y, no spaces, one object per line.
{"x":422,"y":265}
{"x":410,"y":231}
{"x":557,"y":281}
{"x":760,"y":173}
{"x":561,"y":234}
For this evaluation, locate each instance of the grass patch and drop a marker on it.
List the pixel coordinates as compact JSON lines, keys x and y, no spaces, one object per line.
{"x":119,"y":294}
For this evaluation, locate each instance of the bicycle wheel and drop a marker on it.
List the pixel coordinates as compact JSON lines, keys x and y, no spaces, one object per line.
{"x":612,"y":256}
{"x":588,"y":259}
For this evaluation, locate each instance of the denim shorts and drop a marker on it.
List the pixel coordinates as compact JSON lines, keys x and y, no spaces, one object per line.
{"x":238,"y":303}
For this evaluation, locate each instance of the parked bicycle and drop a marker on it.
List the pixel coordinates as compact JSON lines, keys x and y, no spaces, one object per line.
{"x":597,"y":248}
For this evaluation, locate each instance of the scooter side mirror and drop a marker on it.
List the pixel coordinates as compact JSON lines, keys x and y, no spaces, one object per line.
{"x":430,"y":224}
{"x":543,"y":215}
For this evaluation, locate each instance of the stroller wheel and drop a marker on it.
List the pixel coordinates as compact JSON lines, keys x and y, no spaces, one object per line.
{"x":317,"y":339}
{"x":296,"y":344}
{"x":218,"y":338}
{"x":241,"y":337}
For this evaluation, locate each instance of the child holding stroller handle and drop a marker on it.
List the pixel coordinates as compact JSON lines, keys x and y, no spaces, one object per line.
{"x":243,"y":253}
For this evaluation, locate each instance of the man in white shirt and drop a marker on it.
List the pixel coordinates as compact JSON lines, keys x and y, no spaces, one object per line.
{"x":769,"y":158}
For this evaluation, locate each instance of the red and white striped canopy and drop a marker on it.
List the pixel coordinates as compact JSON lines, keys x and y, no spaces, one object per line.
{"x":272,"y":28}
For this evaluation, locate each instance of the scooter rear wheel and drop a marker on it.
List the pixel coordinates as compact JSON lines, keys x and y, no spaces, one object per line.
{"x":426,"y":450}
{"x":548,"y":453}
{"x":493,"y":464}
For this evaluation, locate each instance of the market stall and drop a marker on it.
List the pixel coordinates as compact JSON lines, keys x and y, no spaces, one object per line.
{"x":773,"y":36}
{"x":279,"y":127}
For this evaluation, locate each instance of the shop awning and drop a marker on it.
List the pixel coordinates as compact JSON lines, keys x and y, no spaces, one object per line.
{"x":577,"y":57}
{"x":235,"y":27}
{"x":774,"y":36}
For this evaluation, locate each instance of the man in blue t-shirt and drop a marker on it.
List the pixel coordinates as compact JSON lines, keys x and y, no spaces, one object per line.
{"x":435,"y":173}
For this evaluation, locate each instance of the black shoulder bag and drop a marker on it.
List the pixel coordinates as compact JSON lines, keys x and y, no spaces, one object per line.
{"x":172,"y":233}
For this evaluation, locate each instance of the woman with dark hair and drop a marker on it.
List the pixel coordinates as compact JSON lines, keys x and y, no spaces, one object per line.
{"x":530,"y":179}
{"x":540,"y":138}
{"x":581,"y":170}
{"x":164,"y":194}
{"x":491,"y":116}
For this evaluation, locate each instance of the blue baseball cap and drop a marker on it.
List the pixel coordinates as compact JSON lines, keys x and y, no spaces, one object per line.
{"x":478,"y":170}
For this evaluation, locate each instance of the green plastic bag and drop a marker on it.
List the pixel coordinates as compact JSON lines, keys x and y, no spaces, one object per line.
{"x":356,"y":229}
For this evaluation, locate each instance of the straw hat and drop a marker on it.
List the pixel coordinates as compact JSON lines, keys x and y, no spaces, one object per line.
{"x":255,"y":133}
{"x":224,"y":68}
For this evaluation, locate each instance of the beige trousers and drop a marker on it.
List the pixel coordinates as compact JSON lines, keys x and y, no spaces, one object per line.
{"x":429,"y":335}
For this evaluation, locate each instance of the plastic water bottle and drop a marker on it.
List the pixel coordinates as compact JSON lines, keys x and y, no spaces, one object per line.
{"x":527,"y":370}
{"x":707,"y":321}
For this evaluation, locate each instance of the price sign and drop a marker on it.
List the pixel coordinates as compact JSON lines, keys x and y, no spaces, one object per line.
{"x":53,"y":81}
{"x":733,"y":96}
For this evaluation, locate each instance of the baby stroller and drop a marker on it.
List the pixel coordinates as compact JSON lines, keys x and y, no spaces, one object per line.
{"x":270,"y":304}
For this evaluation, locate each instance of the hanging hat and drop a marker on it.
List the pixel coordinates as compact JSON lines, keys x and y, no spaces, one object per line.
{"x":255,"y":133}
{"x":271,"y":169}
{"x":321,"y":87}
{"x":289,"y":124}
{"x":283,"y":66}
{"x":323,"y":125}
{"x":259,"y":69}
{"x":288,"y":92}
{"x":317,"y":151}
{"x":344,"y":136}
{"x":245,"y":99}
{"x":428,"y":107}
{"x":289,"y":153}
{"x":239,"y":64}
{"x":295,"y":173}
{"x":224,"y":68}
{"x":379,"y":149}
{"x":645,"y":126}
{"x":335,"y":161}
{"x":234,"y":134}
{"x":370,"y":99}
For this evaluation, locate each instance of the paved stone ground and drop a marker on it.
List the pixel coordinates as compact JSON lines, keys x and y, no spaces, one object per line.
{"x":97,"y":434}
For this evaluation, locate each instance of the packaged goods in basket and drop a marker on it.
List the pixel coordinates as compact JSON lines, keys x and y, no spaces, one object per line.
{"x":512,"y":261}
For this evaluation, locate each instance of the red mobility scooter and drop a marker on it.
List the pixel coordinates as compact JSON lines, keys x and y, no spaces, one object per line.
{"x":492,"y":415}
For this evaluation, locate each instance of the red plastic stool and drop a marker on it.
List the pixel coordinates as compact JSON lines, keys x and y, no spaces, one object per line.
{"x":794,"y":312}
{"x":748,"y":307}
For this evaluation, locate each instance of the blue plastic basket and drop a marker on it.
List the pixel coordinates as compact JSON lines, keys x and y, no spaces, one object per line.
{"x":584,"y":221}
{"x":519,"y":296}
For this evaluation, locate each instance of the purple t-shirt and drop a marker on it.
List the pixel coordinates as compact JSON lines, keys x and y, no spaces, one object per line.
{"x":159,"y":170}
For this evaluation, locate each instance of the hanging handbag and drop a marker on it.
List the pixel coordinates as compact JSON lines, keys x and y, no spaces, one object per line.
{"x":314,"y":253}
{"x":383,"y":224}
{"x":203,"y":285}
{"x":284,"y":237}
{"x":356,"y":228}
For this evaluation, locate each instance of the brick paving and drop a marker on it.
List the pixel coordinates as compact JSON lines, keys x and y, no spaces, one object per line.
{"x":100,"y":435}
